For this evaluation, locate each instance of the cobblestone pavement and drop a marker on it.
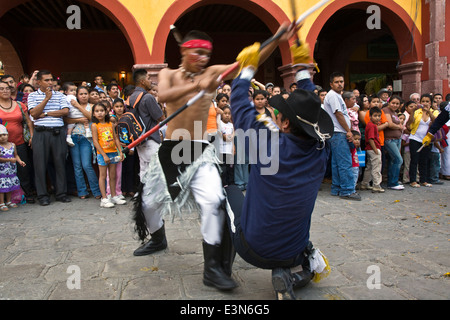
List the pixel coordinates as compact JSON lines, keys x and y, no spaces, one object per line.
{"x":402,"y":234}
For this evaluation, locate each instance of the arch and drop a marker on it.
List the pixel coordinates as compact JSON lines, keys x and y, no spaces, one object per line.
{"x":10,"y":59}
{"x":391,"y":13}
{"x":269,"y":13}
{"x":118,"y":13}
{"x":126,"y":22}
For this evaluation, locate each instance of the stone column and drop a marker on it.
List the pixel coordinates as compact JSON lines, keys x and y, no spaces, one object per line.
{"x":153,"y":69}
{"x":411,"y":78}
{"x":288,"y":74}
{"x":437,"y":65}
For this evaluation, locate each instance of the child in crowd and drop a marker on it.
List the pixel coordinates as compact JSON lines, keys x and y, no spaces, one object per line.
{"x":376,"y":101}
{"x":222,"y":100}
{"x":435,"y":162}
{"x":126,"y":175}
{"x":70,"y":90}
{"x":8,"y":170}
{"x":350,"y":101}
{"x":118,"y":110}
{"x":227,"y":147}
{"x":260,"y":101}
{"x":373,"y":153}
{"x":109,"y":153}
{"x":410,"y":106}
{"x":355,"y":160}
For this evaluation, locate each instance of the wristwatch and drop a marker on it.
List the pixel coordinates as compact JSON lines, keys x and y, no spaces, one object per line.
{"x":45,"y":114}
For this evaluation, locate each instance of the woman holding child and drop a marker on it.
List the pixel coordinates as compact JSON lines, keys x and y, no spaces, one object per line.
{"x":392,"y":142}
{"x":81,"y":152}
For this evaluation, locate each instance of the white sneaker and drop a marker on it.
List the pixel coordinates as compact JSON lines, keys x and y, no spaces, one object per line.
{"x":121,"y":196}
{"x":70,"y":141}
{"x":106,"y":203}
{"x":399,"y":187}
{"x":117,"y":200}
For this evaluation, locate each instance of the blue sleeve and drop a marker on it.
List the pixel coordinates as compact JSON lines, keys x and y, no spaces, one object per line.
{"x":440,"y":120}
{"x":242,"y":109}
{"x":306,"y":84}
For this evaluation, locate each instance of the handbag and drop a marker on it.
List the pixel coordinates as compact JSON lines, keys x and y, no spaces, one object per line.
{"x":26,"y":129}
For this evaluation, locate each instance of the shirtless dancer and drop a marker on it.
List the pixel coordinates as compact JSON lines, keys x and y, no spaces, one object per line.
{"x":184,"y":173}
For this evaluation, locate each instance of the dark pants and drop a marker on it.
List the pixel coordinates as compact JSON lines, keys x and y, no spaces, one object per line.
{"x":422,"y":159}
{"x":233,"y":216}
{"x":227,"y":169}
{"x":129,"y":176}
{"x":25,"y":174}
{"x":50,"y":145}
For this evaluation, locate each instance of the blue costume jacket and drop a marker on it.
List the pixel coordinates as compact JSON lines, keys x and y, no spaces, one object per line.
{"x":276,"y":214}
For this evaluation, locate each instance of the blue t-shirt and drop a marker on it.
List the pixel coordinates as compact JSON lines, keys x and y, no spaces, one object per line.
{"x":276,"y":214}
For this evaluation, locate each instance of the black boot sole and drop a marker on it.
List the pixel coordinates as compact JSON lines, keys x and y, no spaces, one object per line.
{"x":138,"y":253}
{"x":281,"y":289}
{"x":210,"y":283}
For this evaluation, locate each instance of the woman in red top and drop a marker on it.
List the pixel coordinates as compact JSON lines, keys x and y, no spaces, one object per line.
{"x":11,"y":117}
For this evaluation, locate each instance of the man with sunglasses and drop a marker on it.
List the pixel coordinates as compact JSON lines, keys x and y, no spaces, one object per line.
{"x":184,"y":172}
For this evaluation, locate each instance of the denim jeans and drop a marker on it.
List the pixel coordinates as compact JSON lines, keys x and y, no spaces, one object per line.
{"x":435,"y":166}
{"x":392,"y":146}
{"x":342,"y":181}
{"x":81,"y":154}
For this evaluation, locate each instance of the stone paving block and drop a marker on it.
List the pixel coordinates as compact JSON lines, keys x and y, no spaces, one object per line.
{"x":361,"y":293}
{"x":404,"y":233}
{"x":423,"y":288}
{"x":153,"y":287}
{"x":99,"y":289}
{"x":28,"y":289}
{"x":11,"y":273}
{"x":61,"y":272}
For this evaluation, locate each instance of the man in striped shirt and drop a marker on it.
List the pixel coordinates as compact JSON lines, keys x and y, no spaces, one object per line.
{"x":48,"y":107}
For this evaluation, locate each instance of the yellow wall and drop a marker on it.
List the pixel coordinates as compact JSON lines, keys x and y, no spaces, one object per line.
{"x":148,"y":13}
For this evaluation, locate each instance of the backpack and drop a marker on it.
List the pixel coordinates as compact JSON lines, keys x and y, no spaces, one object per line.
{"x":130,"y":125}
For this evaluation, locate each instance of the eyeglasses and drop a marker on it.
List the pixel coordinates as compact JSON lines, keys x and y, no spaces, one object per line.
{"x":5,"y":89}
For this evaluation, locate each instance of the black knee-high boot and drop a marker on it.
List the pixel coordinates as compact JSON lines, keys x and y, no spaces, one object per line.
{"x":228,"y":251}
{"x":157,"y":242}
{"x":213,"y":273}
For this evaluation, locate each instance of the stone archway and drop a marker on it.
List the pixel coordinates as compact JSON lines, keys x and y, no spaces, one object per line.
{"x":400,"y":25}
{"x":267,"y":11}
{"x":38,"y":31}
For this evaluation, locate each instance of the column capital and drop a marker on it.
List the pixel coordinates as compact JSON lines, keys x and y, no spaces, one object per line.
{"x":410,"y":68}
{"x":153,"y":69}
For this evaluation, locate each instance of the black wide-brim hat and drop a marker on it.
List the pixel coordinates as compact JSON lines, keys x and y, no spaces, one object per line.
{"x":303,"y":110}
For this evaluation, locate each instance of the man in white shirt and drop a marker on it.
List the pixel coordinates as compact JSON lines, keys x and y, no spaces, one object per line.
{"x":341,"y":159}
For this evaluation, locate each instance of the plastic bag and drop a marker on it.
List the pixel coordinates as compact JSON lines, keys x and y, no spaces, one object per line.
{"x":319,"y":265}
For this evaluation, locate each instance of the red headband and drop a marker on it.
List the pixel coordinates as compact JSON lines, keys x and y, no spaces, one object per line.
{"x":196,"y":44}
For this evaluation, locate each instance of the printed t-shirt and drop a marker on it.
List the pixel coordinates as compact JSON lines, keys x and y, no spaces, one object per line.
{"x":372,"y":133}
{"x":106,"y":137}
{"x":383,"y":120}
